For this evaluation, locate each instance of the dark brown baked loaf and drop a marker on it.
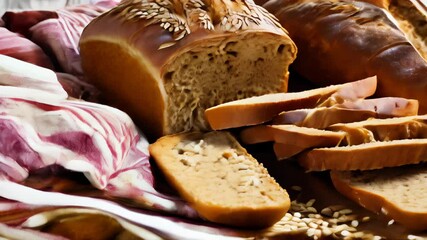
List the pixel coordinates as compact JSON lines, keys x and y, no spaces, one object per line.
{"x":165,"y":62}
{"x":341,"y":40}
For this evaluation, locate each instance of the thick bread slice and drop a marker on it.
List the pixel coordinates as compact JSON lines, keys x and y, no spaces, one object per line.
{"x":366,"y":156}
{"x":257,"y":110}
{"x":291,"y":139}
{"x":400,"y":193}
{"x":383,"y":129}
{"x":220,"y":179}
{"x":347,"y":112}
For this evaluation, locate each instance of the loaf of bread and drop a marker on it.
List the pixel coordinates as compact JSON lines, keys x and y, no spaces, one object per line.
{"x":390,"y":129}
{"x":165,"y":62}
{"x":290,"y":139}
{"x":257,"y":110}
{"x":347,"y":112}
{"x":373,"y":155}
{"x":342,"y":40}
{"x":220,"y":179}
{"x":400,"y":193}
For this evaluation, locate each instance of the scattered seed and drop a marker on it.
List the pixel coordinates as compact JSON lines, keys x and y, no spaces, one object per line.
{"x":345,"y":211}
{"x":311,"y":232}
{"x":310,"y":202}
{"x":345,"y":233}
{"x":327,"y":212}
{"x":354,"y":223}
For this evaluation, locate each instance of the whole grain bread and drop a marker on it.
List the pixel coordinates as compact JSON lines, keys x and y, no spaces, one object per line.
{"x":373,"y":155}
{"x":257,"y":110}
{"x":400,"y":193}
{"x":220,"y":179}
{"x":165,"y":62}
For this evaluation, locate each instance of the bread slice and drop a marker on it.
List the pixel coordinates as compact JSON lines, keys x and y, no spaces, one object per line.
{"x":220,"y":179}
{"x":290,"y":139}
{"x":347,"y":112}
{"x":322,"y":117}
{"x":400,"y":193}
{"x":257,"y":110}
{"x":411,"y":127}
{"x":373,"y":155}
{"x":165,"y":62}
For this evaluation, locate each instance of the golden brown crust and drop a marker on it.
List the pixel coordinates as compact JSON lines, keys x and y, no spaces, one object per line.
{"x":341,"y":41}
{"x":378,"y":203}
{"x":366,"y":156}
{"x":123,"y":94}
{"x":173,"y":26}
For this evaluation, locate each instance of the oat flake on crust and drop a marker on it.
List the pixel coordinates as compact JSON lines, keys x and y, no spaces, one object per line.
{"x":180,"y":17}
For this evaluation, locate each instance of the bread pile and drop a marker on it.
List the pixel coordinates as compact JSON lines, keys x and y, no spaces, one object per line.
{"x":336,"y":128}
{"x":198,"y":65}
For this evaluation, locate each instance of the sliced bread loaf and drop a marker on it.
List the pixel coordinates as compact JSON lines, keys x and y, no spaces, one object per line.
{"x":400,"y":193}
{"x":373,"y":155}
{"x":383,"y":129}
{"x":220,"y":179}
{"x":257,"y":110}
{"x":290,"y":139}
{"x":165,"y":62}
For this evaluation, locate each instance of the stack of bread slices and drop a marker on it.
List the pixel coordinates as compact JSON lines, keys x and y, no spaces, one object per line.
{"x":374,"y":147}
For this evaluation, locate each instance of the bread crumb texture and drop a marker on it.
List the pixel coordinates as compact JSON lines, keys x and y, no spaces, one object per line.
{"x":220,"y":179}
{"x":395,"y":185}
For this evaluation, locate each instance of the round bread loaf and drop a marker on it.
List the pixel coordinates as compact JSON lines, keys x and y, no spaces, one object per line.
{"x":165,"y":62}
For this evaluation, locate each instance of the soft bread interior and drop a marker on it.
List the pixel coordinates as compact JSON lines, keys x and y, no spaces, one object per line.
{"x":394,"y":184}
{"x":223,"y":70}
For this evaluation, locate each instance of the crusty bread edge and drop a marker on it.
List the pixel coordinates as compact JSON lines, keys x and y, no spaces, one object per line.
{"x":379,"y":204}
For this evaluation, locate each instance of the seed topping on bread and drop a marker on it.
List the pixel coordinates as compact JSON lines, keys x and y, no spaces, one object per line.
{"x":181,"y":17}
